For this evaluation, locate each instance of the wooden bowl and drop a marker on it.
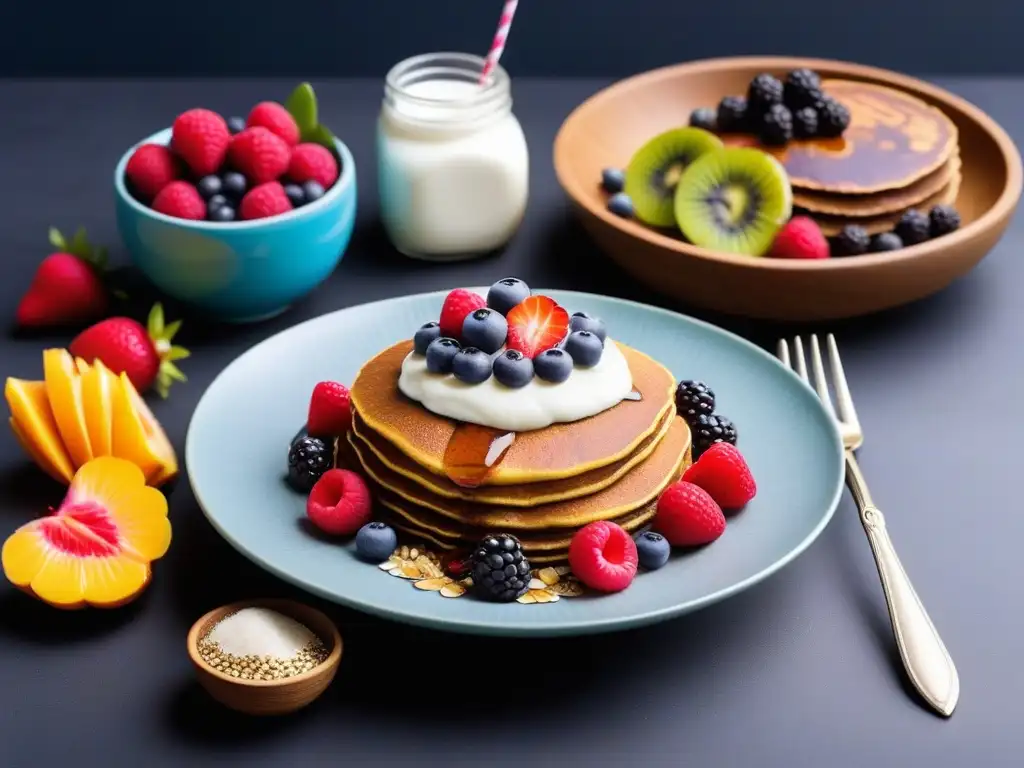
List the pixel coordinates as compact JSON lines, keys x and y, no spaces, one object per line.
{"x":610,"y":126}
{"x":268,"y":697}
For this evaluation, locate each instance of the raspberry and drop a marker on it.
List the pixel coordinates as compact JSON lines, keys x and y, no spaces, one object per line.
{"x":151,"y":168}
{"x":264,"y":201}
{"x":182,"y":200}
{"x":276,"y":119}
{"x":457,"y":305}
{"x":603,"y":556}
{"x":801,"y":238}
{"x":339,"y":503}
{"x":312,"y":162}
{"x":330,"y":412}
{"x":261,"y":155}
{"x":200,"y":138}
{"x":723,"y":472}
{"x":687,"y":516}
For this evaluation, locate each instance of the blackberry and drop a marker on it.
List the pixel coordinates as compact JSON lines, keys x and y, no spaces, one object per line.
{"x":308,"y":459}
{"x":776,"y":126}
{"x":833,"y":118}
{"x":704,"y":117}
{"x":501,"y":573}
{"x":914,"y":227}
{"x":732,"y":114}
{"x":801,"y":89}
{"x":805,"y":123}
{"x":853,"y":240}
{"x":944,"y":219}
{"x":710,"y":429}
{"x":763,"y":93}
{"x":886,"y":241}
{"x":694,"y":398}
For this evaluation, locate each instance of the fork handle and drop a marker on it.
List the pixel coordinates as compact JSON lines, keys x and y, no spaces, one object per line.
{"x":928,"y":663}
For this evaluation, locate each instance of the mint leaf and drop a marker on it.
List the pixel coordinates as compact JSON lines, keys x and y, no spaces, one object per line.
{"x":301,"y":104}
{"x":57,"y":239}
{"x":320,"y":134}
{"x":80,"y":244}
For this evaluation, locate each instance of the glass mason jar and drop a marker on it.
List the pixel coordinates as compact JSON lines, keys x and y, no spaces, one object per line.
{"x":453,"y":164}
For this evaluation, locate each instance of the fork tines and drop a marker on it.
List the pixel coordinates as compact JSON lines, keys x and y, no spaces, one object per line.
{"x":817,"y":377}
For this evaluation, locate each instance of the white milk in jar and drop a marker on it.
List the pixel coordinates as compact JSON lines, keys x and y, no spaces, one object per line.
{"x":452,"y":159}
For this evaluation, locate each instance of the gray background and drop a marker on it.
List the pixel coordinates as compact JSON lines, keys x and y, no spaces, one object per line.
{"x":550,"y":37}
{"x":797,"y":672}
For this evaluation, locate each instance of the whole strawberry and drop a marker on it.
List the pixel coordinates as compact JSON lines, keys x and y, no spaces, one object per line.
{"x":67,"y":287}
{"x":144,"y":353}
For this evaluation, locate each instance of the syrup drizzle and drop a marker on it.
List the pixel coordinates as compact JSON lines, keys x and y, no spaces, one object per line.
{"x":473,"y":452}
{"x":634,"y":395}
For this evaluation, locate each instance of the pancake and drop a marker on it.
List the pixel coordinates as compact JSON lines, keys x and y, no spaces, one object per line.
{"x":878,"y":203}
{"x":893,"y":140}
{"x":556,"y":452}
{"x":636,"y":489}
{"x":529,"y":495}
{"x":833,"y":225}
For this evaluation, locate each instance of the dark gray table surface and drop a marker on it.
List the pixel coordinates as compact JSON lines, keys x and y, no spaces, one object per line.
{"x":798,"y":671}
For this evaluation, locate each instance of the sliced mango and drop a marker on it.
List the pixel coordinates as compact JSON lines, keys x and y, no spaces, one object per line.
{"x":34,"y":425}
{"x":138,"y":436}
{"x":97,"y":548}
{"x":64,"y":391}
{"x":98,"y":384}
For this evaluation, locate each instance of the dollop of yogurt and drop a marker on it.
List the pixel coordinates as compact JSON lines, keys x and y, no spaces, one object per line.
{"x":539,"y":404}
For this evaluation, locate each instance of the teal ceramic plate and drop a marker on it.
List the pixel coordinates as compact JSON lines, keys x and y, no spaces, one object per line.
{"x":259,"y":401}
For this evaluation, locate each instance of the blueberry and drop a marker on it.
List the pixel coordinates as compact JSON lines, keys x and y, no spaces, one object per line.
{"x":581,"y":321}
{"x":553,"y":365}
{"x":621,"y":205}
{"x":216,"y":202}
{"x":295,"y":194}
{"x":652,"y":550}
{"x":313,"y":190}
{"x":440,"y":353}
{"x":886,"y":241}
{"x":221,"y":213}
{"x":513,"y":369}
{"x":233,"y":184}
{"x":472,"y":365}
{"x":426,"y":334}
{"x":484,"y":329}
{"x":209,"y":186}
{"x":584,"y":347}
{"x":613,"y":180}
{"x":506,"y":293}
{"x":236,"y":124}
{"x":375,"y":542}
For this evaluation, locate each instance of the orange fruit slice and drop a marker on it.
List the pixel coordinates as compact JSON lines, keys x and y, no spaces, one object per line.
{"x":64,"y":391}
{"x":138,"y":436}
{"x":36,"y":429}
{"x":96,"y":549}
{"x":98,"y":384}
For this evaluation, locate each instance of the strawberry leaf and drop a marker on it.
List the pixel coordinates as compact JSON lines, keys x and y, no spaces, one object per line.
{"x":301,"y":104}
{"x":177,"y":353}
{"x":57,"y":239}
{"x":155,"y":322}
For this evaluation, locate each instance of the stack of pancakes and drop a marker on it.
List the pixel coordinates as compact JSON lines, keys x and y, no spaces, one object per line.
{"x":548,"y":483}
{"x":898,"y":153}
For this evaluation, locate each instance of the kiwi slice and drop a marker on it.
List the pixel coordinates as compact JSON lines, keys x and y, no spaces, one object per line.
{"x":656,"y":168}
{"x":733,"y":200}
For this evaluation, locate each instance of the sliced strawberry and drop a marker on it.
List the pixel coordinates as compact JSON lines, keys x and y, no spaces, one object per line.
{"x":457,"y":305}
{"x":535,"y":324}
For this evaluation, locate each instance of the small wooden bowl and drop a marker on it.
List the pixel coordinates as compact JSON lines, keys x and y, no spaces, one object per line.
{"x":268,"y":697}
{"x":606,"y":129}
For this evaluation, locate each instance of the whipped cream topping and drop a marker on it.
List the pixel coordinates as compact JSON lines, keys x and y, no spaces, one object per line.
{"x":539,"y":404}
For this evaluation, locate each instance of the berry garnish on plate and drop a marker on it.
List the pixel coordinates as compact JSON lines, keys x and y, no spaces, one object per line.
{"x":507,"y":293}
{"x":913,"y":227}
{"x":584,"y":348}
{"x":723,"y":472}
{"x":705,"y":118}
{"x":535,"y":324}
{"x":709,"y":429}
{"x":339,"y":503}
{"x":805,"y":123}
{"x":457,"y":306}
{"x":425,"y":334}
{"x":687,"y":516}
{"x":732,"y":115}
{"x":603,"y":556}
{"x":471,"y":365}
{"x":330,"y":410}
{"x":833,"y":118}
{"x":944,"y":219}
{"x":612,"y":180}
{"x":763,"y":93}
{"x":885,"y":241}
{"x":621,"y":204}
{"x":694,"y":398}
{"x":375,"y":542}
{"x":201,"y":137}
{"x":485,"y":329}
{"x":308,"y":459}
{"x":581,"y":321}
{"x":652,"y":550}
{"x":776,"y":126}
{"x":513,"y":369}
{"x":800,"y":238}
{"x":554,"y":365}
{"x":440,"y":354}
{"x":852,"y":240}
{"x":501,"y":572}
{"x":802,"y":88}
{"x":151,"y":168}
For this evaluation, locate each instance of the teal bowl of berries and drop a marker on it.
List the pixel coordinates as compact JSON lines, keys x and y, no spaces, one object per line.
{"x":238,"y":217}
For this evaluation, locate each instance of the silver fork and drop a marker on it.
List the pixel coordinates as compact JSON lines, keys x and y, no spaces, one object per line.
{"x":928,"y":664}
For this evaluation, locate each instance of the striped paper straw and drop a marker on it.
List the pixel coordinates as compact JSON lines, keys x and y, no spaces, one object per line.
{"x":500,"y":36}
